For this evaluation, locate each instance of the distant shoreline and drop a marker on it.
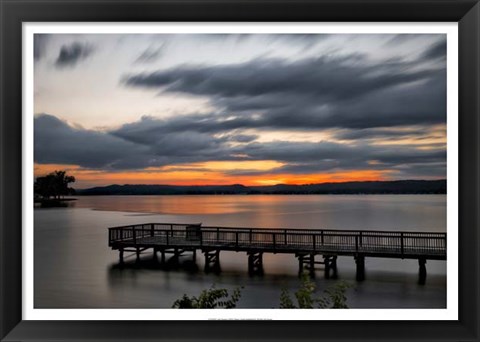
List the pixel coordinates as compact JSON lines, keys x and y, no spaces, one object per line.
{"x":402,"y":187}
{"x":274,"y":194}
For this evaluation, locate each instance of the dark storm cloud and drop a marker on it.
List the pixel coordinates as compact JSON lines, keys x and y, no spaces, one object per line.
{"x":297,"y":151}
{"x":58,"y":143}
{"x":329,"y":79}
{"x":312,"y":158}
{"x":148,"y":129}
{"x":301,"y":152}
{"x":70,"y":55}
{"x":331,"y":155}
{"x":313,"y":93}
{"x":154,"y":132}
{"x":410,"y":104}
{"x":150,"y":143}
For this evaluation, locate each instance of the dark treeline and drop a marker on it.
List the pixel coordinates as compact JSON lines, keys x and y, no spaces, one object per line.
{"x":55,"y":185}
{"x":387,"y":187}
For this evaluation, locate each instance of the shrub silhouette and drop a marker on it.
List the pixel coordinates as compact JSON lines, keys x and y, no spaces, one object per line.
{"x":212,"y":298}
{"x":334,"y":297}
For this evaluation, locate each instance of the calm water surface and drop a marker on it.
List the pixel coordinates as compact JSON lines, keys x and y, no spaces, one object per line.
{"x":74,"y":268}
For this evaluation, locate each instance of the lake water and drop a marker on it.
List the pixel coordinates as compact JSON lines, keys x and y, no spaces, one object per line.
{"x":74,"y":267}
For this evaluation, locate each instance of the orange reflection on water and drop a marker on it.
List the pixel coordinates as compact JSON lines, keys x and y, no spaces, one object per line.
{"x":170,"y":205}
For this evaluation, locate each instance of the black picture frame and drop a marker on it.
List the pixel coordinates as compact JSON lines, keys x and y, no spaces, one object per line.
{"x":14,"y":12}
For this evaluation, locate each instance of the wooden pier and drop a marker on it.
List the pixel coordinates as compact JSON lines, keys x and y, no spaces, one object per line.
{"x":306,"y":244}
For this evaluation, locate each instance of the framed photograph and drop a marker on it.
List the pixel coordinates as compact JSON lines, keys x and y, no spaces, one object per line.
{"x":211,"y":170}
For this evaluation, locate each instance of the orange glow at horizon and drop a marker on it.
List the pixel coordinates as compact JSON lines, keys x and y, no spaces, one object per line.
{"x":258,"y":165}
{"x":198,"y":174}
{"x":335,"y":177}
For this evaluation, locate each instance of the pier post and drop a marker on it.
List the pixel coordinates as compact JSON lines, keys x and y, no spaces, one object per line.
{"x":216,"y":265}
{"x":311,"y":270}
{"x":255,"y":263}
{"x":212,"y":261}
{"x":300,"y":264}
{"x":162,"y":260}
{"x":307,"y":261}
{"x":137,"y":260}
{"x":360,"y":261}
{"x":334,"y":267}
{"x":155,"y":257}
{"x":120,"y":254}
{"x":422,"y":271}
{"x":330,"y":269}
{"x":175,"y":258}
{"x":326,"y":270}
{"x":250,"y":264}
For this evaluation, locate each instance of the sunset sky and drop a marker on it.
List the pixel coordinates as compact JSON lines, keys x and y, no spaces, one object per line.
{"x":238,"y":108}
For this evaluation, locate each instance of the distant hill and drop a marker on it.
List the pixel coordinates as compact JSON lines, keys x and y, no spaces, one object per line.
{"x":389,"y":187}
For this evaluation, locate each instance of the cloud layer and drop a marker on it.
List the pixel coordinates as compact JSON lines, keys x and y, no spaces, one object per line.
{"x":150,"y":143}
{"x":313,"y":93}
{"x":335,"y":112}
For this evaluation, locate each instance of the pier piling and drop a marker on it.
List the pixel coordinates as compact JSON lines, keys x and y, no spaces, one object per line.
{"x":120,"y":255}
{"x":137,"y":260}
{"x":330,"y":266}
{"x":212,"y":261}
{"x":162,"y":259}
{"x":422,"y":271}
{"x":360,"y":261}
{"x":155,"y":256}
{"x":300,"y":264}
{"x":255,"y":263}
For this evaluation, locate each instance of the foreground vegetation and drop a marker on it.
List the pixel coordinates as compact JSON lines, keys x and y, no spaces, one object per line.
{"x":334,"y":297}
{"x":209,"y":299}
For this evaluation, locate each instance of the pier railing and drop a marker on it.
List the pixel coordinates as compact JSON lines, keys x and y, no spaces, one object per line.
{"x":349,"y":242}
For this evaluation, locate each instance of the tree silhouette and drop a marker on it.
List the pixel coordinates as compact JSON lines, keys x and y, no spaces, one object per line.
{"x":54,"y":185}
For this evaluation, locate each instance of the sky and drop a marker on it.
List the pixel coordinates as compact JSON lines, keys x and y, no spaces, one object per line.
{"x":252,"y":109}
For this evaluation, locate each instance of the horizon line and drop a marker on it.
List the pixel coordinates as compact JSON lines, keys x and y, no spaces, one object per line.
{"x":273,"y":185}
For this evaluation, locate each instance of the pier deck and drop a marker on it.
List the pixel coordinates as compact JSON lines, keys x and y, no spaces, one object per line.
{"x":303,"y":243}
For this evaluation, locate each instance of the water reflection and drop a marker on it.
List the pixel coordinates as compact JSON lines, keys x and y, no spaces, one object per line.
{"x":173,"y":205}
{"x":74,"y":268}
{"x":376,"y":212}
